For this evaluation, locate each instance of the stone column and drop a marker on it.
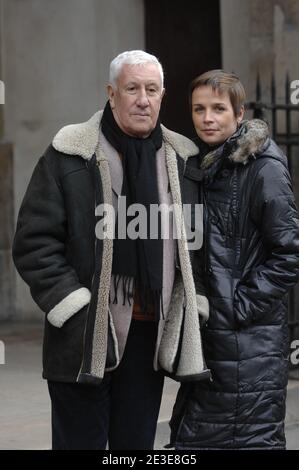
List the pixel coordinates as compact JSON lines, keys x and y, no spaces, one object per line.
{"x":7,"y":272}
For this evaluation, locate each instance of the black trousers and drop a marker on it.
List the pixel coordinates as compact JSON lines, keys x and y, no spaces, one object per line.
{"x":122,"y":410}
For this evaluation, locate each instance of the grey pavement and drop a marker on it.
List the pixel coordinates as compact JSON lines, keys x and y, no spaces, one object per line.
{"x":25,"y":406}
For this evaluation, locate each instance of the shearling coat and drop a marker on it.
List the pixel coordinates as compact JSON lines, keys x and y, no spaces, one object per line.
{"x":251,"y":261}
{"x":68,"y":269}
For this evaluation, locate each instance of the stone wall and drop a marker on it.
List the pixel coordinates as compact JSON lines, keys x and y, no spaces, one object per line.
{"x":7,"y":272}
{"x":260,"y":36}
{"x":56,"y":56}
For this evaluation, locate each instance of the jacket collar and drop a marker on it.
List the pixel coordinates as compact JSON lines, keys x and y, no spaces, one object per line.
{"x":82,"y":139}
{"x":251,"y":141}
{"x":247,"y":142}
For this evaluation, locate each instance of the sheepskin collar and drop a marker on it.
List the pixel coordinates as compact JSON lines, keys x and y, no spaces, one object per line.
{"x":248,"y":142}
{"x":82,"y":139}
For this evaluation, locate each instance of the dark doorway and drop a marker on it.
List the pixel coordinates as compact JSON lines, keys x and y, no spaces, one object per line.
{"x":185,"y":36}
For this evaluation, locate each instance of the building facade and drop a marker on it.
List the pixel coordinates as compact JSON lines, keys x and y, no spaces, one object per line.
{"x":54,"y":61}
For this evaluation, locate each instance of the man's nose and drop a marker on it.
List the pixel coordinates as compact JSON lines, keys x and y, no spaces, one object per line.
{"x":142,"y":99}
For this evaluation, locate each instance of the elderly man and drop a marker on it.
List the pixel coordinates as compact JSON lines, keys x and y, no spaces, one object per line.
{"x":121,"y":312}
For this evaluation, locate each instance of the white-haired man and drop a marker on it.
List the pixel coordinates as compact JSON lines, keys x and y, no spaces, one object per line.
{"x":114,"y":306}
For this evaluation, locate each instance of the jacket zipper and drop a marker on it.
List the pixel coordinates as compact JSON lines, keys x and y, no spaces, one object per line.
{"x":236,"y":222}
{"x":205,"y":226}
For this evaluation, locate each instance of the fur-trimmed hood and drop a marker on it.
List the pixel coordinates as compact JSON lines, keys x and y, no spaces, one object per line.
{"x":249,"y":141}
{"x":82,"y":139}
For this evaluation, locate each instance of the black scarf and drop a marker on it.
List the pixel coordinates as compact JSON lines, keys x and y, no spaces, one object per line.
{"x":138,"y":264}
{"x":213,"y":158}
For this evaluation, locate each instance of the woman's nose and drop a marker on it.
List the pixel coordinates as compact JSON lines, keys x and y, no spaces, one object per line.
{"x":208,"y":116}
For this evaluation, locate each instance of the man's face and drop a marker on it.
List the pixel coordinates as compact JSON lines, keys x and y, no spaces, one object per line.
{"x":136,"y":100}
{"x":213,"y":115}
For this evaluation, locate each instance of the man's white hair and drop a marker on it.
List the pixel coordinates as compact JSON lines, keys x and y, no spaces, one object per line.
{"x":132,"y":58}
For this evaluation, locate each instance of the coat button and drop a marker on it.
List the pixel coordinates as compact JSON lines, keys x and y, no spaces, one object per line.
{"x":224,"y":173}
{"x":214,"y":219}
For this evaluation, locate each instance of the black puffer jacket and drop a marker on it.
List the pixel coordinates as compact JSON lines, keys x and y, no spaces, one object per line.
{"x":251,"y":262}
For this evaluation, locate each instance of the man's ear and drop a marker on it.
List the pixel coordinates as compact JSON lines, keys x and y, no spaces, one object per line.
{"x":111,"y":95}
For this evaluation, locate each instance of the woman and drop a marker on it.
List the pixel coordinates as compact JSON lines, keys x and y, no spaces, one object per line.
{"x":251,"y":260}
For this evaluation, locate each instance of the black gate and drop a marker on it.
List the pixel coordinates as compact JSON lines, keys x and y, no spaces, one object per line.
{"x":288,"y":140}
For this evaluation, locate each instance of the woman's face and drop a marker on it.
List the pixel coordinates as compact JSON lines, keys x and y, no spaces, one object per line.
{"x":213,"y":115}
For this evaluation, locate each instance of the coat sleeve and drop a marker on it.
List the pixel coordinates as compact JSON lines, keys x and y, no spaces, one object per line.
{"x":191,"y":196}
{"x":274,"y":212}
{"x":197,"y":261}
{"x":39,"y":248}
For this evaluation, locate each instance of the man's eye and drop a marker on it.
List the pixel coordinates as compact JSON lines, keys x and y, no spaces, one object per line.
{"x":220,"y":108}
